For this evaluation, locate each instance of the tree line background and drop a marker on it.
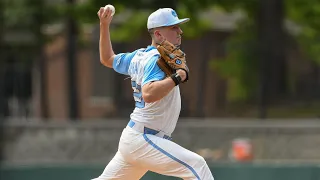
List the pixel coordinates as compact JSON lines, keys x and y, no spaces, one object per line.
{"x":256,"y":66}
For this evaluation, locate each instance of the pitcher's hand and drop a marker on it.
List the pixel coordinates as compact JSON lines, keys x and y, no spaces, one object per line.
{"x":105,"y":16}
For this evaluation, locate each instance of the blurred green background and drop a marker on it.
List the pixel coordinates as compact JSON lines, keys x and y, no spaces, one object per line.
{"x":255,"y":74}
{"x":249,"y":58}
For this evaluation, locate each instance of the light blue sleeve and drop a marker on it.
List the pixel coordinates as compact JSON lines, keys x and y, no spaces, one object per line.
{"x":122,"y":61}
{"x":152,"y":71}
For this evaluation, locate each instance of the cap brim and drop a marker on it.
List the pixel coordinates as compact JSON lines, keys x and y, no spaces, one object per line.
{"x":180,"y":21}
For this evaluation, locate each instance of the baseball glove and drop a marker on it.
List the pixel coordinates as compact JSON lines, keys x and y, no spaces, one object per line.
{"x":172,"y":59}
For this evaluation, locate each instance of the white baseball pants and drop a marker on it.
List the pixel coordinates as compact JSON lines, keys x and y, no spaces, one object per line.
{"x":139,"y":153}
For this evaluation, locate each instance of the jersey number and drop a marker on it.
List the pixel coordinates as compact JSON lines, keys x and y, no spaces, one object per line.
{"x":137,"y":95}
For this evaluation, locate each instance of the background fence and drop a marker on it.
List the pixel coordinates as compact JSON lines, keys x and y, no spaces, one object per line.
{"x":281,"y":149}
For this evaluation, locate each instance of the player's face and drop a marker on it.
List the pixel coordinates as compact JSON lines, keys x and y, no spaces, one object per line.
{"x":172,"y":34}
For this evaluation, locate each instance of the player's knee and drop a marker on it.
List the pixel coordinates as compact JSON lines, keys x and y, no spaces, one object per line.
{"x":202,"y":164}
{"x":203,"y":169}
{"x":202,"y":161}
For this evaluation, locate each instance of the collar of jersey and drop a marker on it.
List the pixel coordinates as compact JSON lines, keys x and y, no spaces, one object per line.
{"x":149,"y":48}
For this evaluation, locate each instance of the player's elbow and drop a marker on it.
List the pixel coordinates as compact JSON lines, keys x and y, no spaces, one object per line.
{"x":150,"y":98}
{"x":148,"y":93}
{"x":108,"y":62}
{"x":147,"y":97}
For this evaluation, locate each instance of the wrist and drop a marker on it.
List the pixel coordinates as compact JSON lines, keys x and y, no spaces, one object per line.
{"x":176,"y":78}
{"x":104,"y":24}
{"x":182,"y":74}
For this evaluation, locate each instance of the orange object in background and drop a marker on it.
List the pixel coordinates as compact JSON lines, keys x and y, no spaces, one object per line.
{"x":241,"y":150}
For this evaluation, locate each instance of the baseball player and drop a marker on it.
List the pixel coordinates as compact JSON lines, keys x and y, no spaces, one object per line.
{"x":145,"y":143}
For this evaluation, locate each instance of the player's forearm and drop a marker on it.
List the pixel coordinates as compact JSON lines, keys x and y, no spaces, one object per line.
{"x":155,"y":91}
{"x":105,"y":47}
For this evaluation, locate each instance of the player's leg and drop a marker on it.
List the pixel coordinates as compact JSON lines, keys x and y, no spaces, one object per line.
{"x":168,"y":158}
{"x":119,"y":169}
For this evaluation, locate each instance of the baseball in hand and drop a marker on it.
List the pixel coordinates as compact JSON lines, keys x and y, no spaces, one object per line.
{"x":113,"y":10}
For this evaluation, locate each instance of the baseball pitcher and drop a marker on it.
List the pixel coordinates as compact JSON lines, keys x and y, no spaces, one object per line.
{"x":156,"y":72}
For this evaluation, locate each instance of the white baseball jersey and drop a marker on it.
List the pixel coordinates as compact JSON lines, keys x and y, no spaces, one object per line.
{"x":140,"y":152}
{"x":141,"y":66}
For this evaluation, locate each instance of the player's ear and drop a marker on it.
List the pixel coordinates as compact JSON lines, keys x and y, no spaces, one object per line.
{"x":158,"y":35}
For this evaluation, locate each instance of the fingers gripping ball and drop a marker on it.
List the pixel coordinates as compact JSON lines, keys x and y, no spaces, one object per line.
{"x":109,"y":6}
{"x":172,"y":59}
